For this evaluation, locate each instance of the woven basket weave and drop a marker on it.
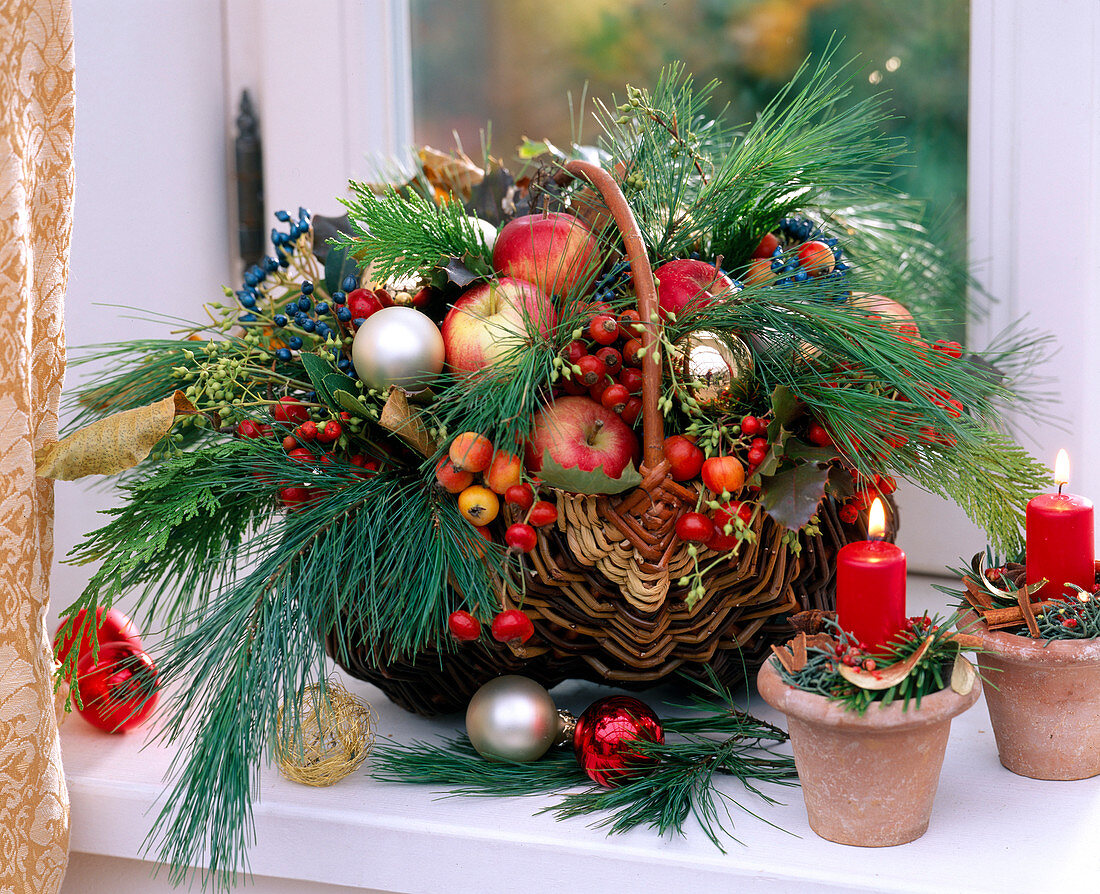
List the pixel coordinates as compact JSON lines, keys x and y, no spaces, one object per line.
{"x":602,"y":586}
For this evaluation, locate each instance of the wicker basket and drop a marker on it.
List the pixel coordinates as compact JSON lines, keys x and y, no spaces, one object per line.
{"x":602,"y":586}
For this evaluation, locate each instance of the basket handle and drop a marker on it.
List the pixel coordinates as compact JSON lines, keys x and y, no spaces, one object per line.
{"x":653,"y":423}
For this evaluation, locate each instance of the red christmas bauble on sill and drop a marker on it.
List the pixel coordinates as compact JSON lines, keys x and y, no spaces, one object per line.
{"x":605,"y":734}
{"x":119,"y":690}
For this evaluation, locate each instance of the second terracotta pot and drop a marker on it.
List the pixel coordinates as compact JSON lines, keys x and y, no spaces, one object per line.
{"x":1043,"y":700}
{"x":868,"y":779}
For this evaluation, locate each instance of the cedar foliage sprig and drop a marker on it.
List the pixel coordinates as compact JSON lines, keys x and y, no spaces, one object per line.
{"x":719,"y":740}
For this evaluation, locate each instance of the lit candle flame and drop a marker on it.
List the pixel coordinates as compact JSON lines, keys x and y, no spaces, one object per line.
{"x":876,"y":521}
{"x":1061,"y":469}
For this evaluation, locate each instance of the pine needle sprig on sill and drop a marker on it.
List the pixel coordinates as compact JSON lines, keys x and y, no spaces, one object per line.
{"x":719,"y":740}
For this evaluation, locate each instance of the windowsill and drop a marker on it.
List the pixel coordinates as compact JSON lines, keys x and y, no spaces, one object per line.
{"x":991,"y":831}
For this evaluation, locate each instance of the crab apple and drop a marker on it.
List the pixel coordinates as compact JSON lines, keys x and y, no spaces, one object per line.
{"x":471,"y":451}
{"x":577,"y":432}
{"x":463,"y":626}
{"x":450,"y":477}
{"x":759,"y":273}
{"x":490,"y":321}
{"x":684,"y":457}
{"x":816,"y":258}
{"x":614,"y":397}
{"x":362,"y":303}
{"x":686,"y":282}
{"x":631,"y":411}
{"x":555,"y":251}
{"x":512,"y":626}
{"x":723,"y":474}
{"x":520,"y":495}
{"x":289,"y":411}
{"x":767,"y":246}
{"x":503,"y":472}
{"x":694,"y":527}
{"x":543,"y":513}
{"x":521,"y":537}
{"x":478,"y":504}
{"x":603,"y":329}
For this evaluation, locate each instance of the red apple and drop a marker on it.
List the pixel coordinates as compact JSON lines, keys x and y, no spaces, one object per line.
{"x":579,"y":433}
{"x":685,"y":281}
{"x":554,"y":251}
{"x":489,"y":321}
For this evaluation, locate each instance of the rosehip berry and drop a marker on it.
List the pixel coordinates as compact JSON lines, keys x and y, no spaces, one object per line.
{"x":512,"y":626}
{"x":694,"y":527}
{"x":289,"y":442}
{"x":289,"y":411}
{"x":463,"y":626}
{"x":630,"y":325}
{"x":597,"y":390}
{"x":521,"y":537}
{"x":750,"y":425}
{"x":574,"y":387}
{"x":756,"y":456}
{"x":632,"y":378}
{"x":249,"y":429}
{"x":603,"y":329}
{"x":758,"y":442}
{"x":574,"y":351}
{"x":630,"y":352}
{"x":306,"y":432}
{"x":301,"y":455}
{"x":817,"y":435}
{"x":520,"y":495}
{"x":329,"y":431}
{"x":848,"y":514}
{"x":592,"y":370}
{"x":542,"y":513}
{"x":631,"y":411}
{"x":612,"y":359}
{"x":684,"y":457}
{"x":615,"y":397}
{"x":294,"y":497}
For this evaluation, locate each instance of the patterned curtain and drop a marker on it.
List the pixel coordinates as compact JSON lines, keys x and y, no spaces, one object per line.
{"x":36,"y":195}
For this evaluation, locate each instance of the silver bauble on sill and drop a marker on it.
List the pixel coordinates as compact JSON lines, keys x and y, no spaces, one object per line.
{"x":512,"y":718}
{"x":398,"y":346}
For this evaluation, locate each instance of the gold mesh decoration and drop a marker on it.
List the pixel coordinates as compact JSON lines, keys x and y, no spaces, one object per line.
{"x":337,"y":733}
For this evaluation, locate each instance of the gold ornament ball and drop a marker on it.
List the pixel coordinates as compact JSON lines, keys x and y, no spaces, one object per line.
{"x":337,"y":733}
{"x":398,"y":346}
{"x":717,"y":369}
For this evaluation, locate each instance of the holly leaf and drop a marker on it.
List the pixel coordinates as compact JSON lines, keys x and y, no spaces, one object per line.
{"x":318,"y":370}
{"x":792,"y":497}
{"x":345,"y":400}
{"x":777,"y":451}
{"x":786,"y":405}
{"x":802,"y":452}
{"x":579,"y":481}
{"x":338,"y":265}
{"x":458,"y":273}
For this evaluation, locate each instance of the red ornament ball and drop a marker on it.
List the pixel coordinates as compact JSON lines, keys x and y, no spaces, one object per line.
{"x":604,"y":737}
{"x":119,"y":690}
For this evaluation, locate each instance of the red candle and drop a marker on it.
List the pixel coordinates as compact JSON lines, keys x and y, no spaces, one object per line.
{"x":870,"y":585}
{"x":1060,"y":546}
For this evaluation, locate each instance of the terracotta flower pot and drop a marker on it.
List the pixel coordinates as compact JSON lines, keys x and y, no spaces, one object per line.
{"x":868,"y":779}
{"x":1044,"y":701}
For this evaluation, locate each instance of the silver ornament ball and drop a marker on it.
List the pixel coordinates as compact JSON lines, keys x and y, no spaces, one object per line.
{"x":512,"y":718}
{"x":398,"y":346}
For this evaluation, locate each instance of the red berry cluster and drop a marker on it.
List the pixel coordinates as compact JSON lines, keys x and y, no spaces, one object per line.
{"x":866,"y":489}
{"x":509,"y":626}
{"x":604,"y":364}
{"x":307,"y":443}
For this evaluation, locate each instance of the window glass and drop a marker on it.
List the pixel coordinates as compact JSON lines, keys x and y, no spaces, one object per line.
{"x":512,"y":62}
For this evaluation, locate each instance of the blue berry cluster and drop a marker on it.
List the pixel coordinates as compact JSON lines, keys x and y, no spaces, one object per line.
{"x":255,"y":275}
{"x":794,"y":232}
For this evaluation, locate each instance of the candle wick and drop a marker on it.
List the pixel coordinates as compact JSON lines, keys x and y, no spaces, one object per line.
{"x":1061,"y":484}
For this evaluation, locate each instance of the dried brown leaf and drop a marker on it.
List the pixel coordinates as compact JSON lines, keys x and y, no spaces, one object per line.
{"x":113,"y":444}
{"x":963,"y":675}
{"x":403,"y":422}
{"x":450,"y":172}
